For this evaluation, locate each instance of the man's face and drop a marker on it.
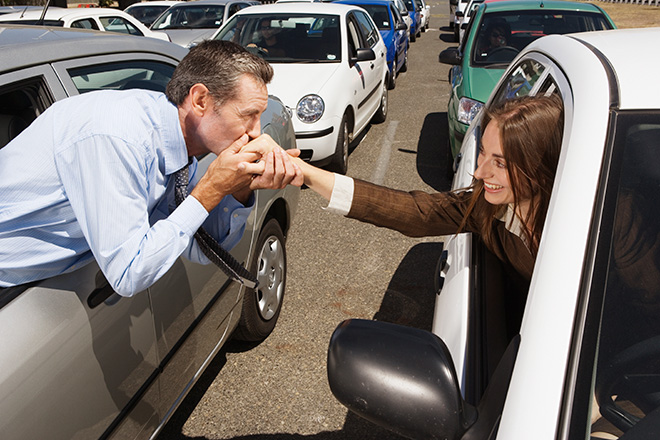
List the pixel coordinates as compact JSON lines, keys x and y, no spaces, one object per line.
{"x":219,"y":128}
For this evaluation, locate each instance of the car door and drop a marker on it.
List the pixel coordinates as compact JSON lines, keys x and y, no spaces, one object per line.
{"x":364,"y":35}
{"x":74,"y":356}
{"x":479,"y":305}
{"x":185,"y":292}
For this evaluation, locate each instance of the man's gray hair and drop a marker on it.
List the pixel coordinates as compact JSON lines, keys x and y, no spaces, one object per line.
{"x":218,"y":65}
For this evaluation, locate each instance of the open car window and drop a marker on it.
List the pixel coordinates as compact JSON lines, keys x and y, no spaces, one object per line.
{"x":20,"y":104}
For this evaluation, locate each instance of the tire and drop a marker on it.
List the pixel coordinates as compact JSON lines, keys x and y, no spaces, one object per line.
{"x":339,"y":163}
{"x":412,"y":38}
{"x":261,"y":306}
{"x":381,"y":113}
{"x":392,"y":80}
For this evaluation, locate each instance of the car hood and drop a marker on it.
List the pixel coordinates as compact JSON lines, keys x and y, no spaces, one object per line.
{"x":481,"y":82}
{"x":292,"y":81}
{"x":184,"y":37}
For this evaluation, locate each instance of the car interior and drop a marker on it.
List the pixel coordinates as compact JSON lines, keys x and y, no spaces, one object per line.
{"x":20,"y":104}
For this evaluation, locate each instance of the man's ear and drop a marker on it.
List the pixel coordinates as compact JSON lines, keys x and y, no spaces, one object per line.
{"x":201,"y":100}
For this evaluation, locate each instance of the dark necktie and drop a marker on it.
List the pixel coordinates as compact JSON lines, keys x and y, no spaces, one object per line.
{"x":210,"y":247}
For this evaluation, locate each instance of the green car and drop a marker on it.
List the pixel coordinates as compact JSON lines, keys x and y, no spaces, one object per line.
{"x":496,"y":33}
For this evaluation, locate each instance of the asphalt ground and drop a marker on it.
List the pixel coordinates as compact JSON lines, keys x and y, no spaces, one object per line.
{"x":338,"y":269}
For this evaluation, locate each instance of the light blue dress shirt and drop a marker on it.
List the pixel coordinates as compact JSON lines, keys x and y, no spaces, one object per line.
{"x":92,"y":177}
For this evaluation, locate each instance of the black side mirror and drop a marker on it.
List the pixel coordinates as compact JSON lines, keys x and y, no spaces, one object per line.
{"x":398,"y":377}
{"x":364,"y":55}
{"x":460,"y":14}
{"x":450,"y":56}
{"x":401,"y":26}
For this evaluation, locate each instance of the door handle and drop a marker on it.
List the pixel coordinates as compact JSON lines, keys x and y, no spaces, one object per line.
{"x":103,"y":293}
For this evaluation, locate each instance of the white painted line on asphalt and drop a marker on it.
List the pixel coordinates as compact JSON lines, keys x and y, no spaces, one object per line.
{"x":378,"y":176}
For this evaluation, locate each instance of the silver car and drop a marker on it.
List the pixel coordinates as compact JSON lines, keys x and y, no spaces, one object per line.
{"x":77,"y":361}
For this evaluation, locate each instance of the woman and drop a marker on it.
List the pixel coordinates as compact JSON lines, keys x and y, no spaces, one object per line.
{"x":507,"y":203}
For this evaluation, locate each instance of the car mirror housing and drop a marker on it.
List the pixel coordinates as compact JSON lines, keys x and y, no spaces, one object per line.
{"x":459,"y":14}
{"x":400,"y":378}
{"x":364,"y":55}
{"x":401,"y":26}
{"x":450,"y":56}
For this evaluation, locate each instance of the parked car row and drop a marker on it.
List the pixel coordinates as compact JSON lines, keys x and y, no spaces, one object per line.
{"x":575,"y":355}
{"x":78,"y":361}
{"x":334,"y":65}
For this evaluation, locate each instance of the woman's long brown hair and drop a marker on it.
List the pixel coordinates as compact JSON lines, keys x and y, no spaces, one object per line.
{"x":531,"y":130}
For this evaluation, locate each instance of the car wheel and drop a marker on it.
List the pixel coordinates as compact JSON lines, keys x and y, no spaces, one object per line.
{"x":392,"y":83}
{"x":339,"y":163}
{"x":261,"y":306}
{"x":404,"y":67}
{"x":413,"y":38}
{"x":381,"y":113}
{"x":456,"y":34}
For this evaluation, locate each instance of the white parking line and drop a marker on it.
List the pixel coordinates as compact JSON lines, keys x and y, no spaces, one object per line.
{"x":383,"y":162}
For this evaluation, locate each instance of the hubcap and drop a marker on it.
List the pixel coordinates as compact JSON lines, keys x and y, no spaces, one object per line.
{"x":270,"y":273}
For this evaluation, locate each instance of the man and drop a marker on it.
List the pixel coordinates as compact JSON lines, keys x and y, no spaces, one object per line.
{"x":100,"y":180}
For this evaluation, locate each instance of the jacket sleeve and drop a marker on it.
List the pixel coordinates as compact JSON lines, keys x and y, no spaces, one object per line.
{"x":414,"y":213}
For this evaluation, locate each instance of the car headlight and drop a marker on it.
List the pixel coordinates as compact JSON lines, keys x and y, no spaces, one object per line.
{"x":468,"y":109}
{"x":310,"y":108}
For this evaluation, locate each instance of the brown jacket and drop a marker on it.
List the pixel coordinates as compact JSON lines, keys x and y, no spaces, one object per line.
{"x":420,"y":214}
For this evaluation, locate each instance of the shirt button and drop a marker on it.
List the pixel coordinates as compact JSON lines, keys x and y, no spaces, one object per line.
{"x":235,"y":215}
{"x":226,"y":209}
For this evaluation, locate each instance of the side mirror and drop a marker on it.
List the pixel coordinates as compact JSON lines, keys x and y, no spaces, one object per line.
{"x":364,"y":55}
{"x":401,"y":26}
{"x":398,"y":377}
{"x":450,"y":56}
{"x":459,"y":14}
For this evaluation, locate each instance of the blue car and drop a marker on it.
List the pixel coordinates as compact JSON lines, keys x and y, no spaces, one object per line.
{"x":392,"y":29}
{"x":415,"y":13}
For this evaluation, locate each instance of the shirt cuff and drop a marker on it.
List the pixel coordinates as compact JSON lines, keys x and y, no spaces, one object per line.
{"x":189,"y":215}
{"x":342,"y":195}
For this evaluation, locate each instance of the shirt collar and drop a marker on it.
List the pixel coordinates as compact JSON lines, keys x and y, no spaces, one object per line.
{"x":513,"y":223}
{"x":175,"y":152}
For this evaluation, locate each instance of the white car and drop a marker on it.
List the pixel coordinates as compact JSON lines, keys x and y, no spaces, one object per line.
{"x":576,"y":355}
{"x":148,"y":11}
{"x":101,"y":19}
{"x":457,"y":16}
{"x":426,"y":15}
{"x":191,"y":22}
{"x":330,"y":68}
{"x":464,"y":16}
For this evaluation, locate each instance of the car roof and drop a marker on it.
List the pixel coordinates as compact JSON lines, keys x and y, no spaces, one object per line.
{"x":512,"y":5}
{"x":61,"y":13}
{"x":23,"y":46}
{"x":303,"y":7}
{"x":213,"y":2}
{"x":621,"y":49}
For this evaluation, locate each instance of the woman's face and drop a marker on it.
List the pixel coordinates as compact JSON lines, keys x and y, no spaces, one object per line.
{"x":492,"y":168}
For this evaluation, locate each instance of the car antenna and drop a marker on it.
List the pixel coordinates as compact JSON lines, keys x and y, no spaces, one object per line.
{"x":43,"y":13}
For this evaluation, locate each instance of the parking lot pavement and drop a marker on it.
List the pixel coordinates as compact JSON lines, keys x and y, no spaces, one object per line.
{"x":338,"y":269}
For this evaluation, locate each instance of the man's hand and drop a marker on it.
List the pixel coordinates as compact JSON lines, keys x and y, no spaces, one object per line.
{"x":245,"y":166}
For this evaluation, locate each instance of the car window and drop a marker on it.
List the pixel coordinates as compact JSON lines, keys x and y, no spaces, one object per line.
{"x":620,"y":351}
{"x":354,"y":38}
{"x":234,"y":9}
{"x":20,"y":103}
{"x":119,"y":24}
{"x":85,"y":23}
{"x":379,"y":15}
{"x":150,"y":75}
{"x":190,"y":16}
{"x":520,"y":81}
{"x":410,"y":5}
{"x":396,"y":14}
{"x":286,"y":38}
{"x":370,"y":34}
{"x":502,"y":35}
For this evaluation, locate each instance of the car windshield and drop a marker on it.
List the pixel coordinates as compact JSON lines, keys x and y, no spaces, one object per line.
{"x":287,"y":38}
{"x":146,"y":13}
{"x":502,"y":35}
{"x":190,"y":16}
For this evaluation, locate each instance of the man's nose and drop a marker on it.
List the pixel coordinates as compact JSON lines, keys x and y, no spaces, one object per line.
{"x":254,"y":130}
